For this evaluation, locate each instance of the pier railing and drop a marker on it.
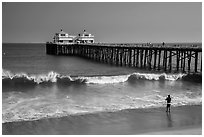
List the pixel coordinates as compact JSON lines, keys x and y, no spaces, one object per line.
{"x":167,"y":58}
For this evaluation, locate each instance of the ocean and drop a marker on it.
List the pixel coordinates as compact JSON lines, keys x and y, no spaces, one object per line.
{"x":37,"y":86}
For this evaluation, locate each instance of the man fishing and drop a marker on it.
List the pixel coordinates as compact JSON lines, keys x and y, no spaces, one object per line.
{"x":168,"y":100}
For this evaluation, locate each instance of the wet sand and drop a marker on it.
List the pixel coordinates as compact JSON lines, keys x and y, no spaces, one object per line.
{"x":185,"y":120}
{"x":187,"y":131}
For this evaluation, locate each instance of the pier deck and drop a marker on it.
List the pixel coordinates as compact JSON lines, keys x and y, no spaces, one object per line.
{"x":167,"y":58}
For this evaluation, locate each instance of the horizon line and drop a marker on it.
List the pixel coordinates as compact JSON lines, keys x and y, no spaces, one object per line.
{"x":98,"y":42}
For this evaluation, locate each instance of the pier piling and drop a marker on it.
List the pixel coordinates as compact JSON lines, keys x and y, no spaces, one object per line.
{"x":158,"y":58}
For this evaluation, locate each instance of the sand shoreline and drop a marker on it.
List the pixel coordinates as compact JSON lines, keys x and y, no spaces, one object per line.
{"x":191,"y":130}
{"x":182,"y":120}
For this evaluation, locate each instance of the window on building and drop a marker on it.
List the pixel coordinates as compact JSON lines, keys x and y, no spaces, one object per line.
{"x":86,"y":35}
{"x":62,"y":34}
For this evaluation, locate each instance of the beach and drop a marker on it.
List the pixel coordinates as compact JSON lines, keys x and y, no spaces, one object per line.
{"x":185,"y":120}
{"x":46,"y":94}
{"x":101,"y":68}
{"x":186,"y":131}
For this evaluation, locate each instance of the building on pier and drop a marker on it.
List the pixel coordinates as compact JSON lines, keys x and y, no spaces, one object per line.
{"x":85,"y":37}
{"x":65,"y":38}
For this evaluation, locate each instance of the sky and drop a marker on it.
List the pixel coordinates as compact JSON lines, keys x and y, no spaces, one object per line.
{"x":117,"y":22}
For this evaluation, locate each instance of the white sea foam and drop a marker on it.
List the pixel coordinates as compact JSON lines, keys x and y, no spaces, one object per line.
{"x":17,"y":108}
{"x":106,"y":79}
{"x":37,"y":108}
{"x":54,"y":77}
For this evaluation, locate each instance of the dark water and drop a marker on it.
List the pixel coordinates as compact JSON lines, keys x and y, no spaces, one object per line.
{"x":38,"y":86}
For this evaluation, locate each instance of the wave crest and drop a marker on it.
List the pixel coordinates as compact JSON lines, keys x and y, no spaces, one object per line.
{"x":54,"y":77}
{"x":163,"y":76}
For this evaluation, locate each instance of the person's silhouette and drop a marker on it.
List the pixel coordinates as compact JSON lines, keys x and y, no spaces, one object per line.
{"x":168,"y":100}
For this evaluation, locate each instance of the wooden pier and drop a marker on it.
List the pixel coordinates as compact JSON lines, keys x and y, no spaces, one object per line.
{"x":164,"y":58}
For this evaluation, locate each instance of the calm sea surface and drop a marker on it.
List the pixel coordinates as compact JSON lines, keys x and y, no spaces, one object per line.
{"x":38,"y":86}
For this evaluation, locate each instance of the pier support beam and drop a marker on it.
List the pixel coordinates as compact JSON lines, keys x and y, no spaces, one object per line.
{"x":167,"y":59}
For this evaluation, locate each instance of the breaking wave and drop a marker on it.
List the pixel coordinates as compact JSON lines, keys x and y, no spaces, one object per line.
{"x":54,"y":77}
{"x":35,"y":108}
{"x":18,"y":106}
